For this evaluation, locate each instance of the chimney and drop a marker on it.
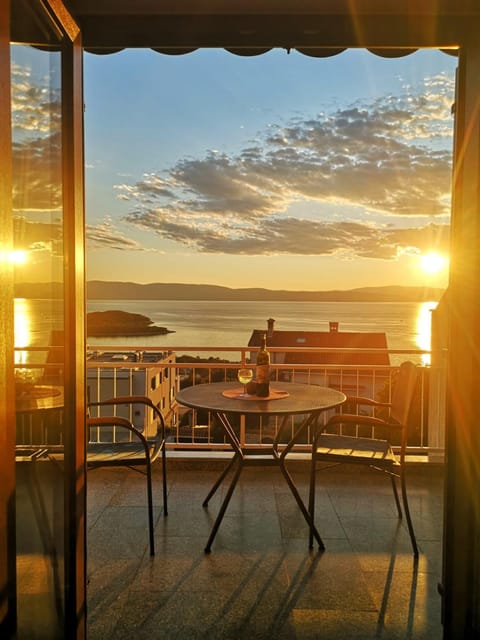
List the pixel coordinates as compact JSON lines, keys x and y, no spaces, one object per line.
{"x":333,"y":327}
{"x":270,"y":323}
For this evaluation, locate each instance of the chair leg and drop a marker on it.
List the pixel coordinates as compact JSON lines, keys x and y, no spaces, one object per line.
{"x":395,"y":494}
{"x":164,"y":480}
{"x":406,"y":508}
{"x":150,"y":506}
{"x":311,"y":499}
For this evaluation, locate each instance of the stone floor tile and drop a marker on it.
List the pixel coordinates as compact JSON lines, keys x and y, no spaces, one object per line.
{"x":261,"y":581}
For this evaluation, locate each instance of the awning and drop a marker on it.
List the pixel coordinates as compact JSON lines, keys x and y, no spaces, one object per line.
{"x":315,"y":27}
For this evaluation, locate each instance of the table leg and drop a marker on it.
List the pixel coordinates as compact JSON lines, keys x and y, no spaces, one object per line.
{"x":237,"y":458}
{"x":235,"y":444}
{"x":303,"y":509}
{"x":219,"y":481}
{"x":225,"y":502}
{"x":282,"y":463}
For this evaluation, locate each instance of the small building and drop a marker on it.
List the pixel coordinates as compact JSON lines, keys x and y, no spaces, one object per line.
{"x":348,"y":349}
{"x":154,"y":377}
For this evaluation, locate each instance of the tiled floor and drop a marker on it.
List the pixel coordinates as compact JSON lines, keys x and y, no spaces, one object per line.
{"x":261,"y":581}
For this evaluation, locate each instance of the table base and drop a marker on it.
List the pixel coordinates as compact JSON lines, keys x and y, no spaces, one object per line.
{"x":258,"y":457}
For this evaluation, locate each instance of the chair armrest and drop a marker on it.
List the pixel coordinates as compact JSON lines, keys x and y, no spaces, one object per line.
{"x":125,"y":400}
{"x":351,"y":418}
{"x":151,"y":447}
{"x":357,"y":420}
{"x":137,"y":399}
{"x":117,"y":421}
{"x":367,"y":401}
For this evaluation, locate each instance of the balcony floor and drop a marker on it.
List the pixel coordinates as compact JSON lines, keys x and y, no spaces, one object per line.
{"x":261,"y":581}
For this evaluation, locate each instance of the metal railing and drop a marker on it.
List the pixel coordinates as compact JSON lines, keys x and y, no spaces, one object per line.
{"x":193,"y":430}
{"x":158,"y":372}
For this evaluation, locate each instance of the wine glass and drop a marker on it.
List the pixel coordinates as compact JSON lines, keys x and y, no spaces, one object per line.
{"x":244,"y":377}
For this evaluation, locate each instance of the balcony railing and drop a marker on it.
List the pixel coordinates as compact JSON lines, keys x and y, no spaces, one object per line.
{"x":192,"y":430}
{"x":159,"y":372}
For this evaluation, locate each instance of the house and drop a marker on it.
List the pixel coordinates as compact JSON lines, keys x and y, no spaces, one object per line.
{"x":333,"y":339}
{"x":345,"y":348}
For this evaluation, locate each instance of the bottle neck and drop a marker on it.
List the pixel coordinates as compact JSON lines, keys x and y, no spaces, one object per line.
{"x":263,"y":357}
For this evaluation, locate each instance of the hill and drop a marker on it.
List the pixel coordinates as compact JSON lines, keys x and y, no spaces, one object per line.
{"x":106,"y":290}
{"x":102,"y":290}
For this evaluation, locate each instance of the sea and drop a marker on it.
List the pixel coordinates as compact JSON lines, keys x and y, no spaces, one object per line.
{"x":196,"y":324}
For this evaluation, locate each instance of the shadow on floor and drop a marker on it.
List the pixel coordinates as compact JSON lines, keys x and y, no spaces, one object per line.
{"x":261,"y":581}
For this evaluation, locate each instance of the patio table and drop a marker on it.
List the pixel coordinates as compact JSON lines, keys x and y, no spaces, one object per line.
{"x":226,"y":399}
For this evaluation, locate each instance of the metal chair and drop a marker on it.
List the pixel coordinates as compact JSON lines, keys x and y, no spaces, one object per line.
{"x":106,"y":447}
{"x":331,"y":446}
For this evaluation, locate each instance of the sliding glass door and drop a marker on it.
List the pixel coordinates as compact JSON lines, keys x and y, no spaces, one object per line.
{"x":46,"y":434}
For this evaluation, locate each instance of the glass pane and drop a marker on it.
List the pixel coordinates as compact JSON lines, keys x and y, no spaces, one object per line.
{"x":39,"y":323}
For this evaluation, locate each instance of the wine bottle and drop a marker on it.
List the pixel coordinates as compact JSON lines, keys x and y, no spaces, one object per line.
{"x":263,"y":370}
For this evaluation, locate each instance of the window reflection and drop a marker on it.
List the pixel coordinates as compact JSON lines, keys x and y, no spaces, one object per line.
{"x":23,"y":333}
{"x":423,"y":338}
{"x":37,"y":184}
{"x":37,"y":203}
{"x":38,"y":324}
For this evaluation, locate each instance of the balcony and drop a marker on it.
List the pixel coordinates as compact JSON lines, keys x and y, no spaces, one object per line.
{"x":261,"y":580}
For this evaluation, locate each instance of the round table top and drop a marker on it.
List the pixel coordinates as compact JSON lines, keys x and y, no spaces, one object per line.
{"x":297,"y":398}
{"x":39,"y":397}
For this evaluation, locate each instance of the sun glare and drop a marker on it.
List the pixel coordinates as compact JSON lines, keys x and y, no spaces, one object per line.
{"x":17,"y":256}
{"x":432,"y":262}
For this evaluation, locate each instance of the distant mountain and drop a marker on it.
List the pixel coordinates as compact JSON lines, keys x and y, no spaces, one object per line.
{"x":105,"y":290}
{"x":101,"y":290}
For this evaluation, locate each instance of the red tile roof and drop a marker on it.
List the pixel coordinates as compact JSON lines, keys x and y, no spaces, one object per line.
{"x":332,"y":339}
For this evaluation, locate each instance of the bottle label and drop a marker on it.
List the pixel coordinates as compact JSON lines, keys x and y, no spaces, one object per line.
{"x":263,"y":374}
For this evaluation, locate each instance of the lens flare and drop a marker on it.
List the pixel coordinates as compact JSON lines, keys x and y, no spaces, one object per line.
{"x":432,"y":262}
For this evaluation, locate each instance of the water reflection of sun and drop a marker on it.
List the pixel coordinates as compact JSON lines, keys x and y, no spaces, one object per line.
{"x":423,"y":336}
{"x":22,"y":330}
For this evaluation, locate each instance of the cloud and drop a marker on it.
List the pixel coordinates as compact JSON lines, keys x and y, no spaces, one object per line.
{"x":36,"y":132}
{"x":390,"y":159}
{"x":107,"y":236}
{"x":38,"y":238}
{"x":36,"y":103}
{"x":309,"y":237}
{"x":37,"y":174}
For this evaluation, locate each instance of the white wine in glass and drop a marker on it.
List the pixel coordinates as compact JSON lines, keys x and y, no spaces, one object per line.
{"x":244,"y":377}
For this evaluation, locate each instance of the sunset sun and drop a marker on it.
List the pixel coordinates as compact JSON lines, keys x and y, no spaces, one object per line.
{"x":432,"y":263}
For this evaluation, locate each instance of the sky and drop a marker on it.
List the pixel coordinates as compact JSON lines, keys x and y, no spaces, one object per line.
{"x":280,"y":171}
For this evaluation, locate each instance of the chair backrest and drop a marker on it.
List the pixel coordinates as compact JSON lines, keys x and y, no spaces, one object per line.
{"x":132,"y":400}
{"x":403,"y":391}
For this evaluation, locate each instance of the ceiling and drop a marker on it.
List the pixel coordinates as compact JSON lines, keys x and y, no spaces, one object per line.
{"x":250,"y":26}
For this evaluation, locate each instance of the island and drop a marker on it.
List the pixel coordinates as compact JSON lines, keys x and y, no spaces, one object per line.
{"x":102,"y":324}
